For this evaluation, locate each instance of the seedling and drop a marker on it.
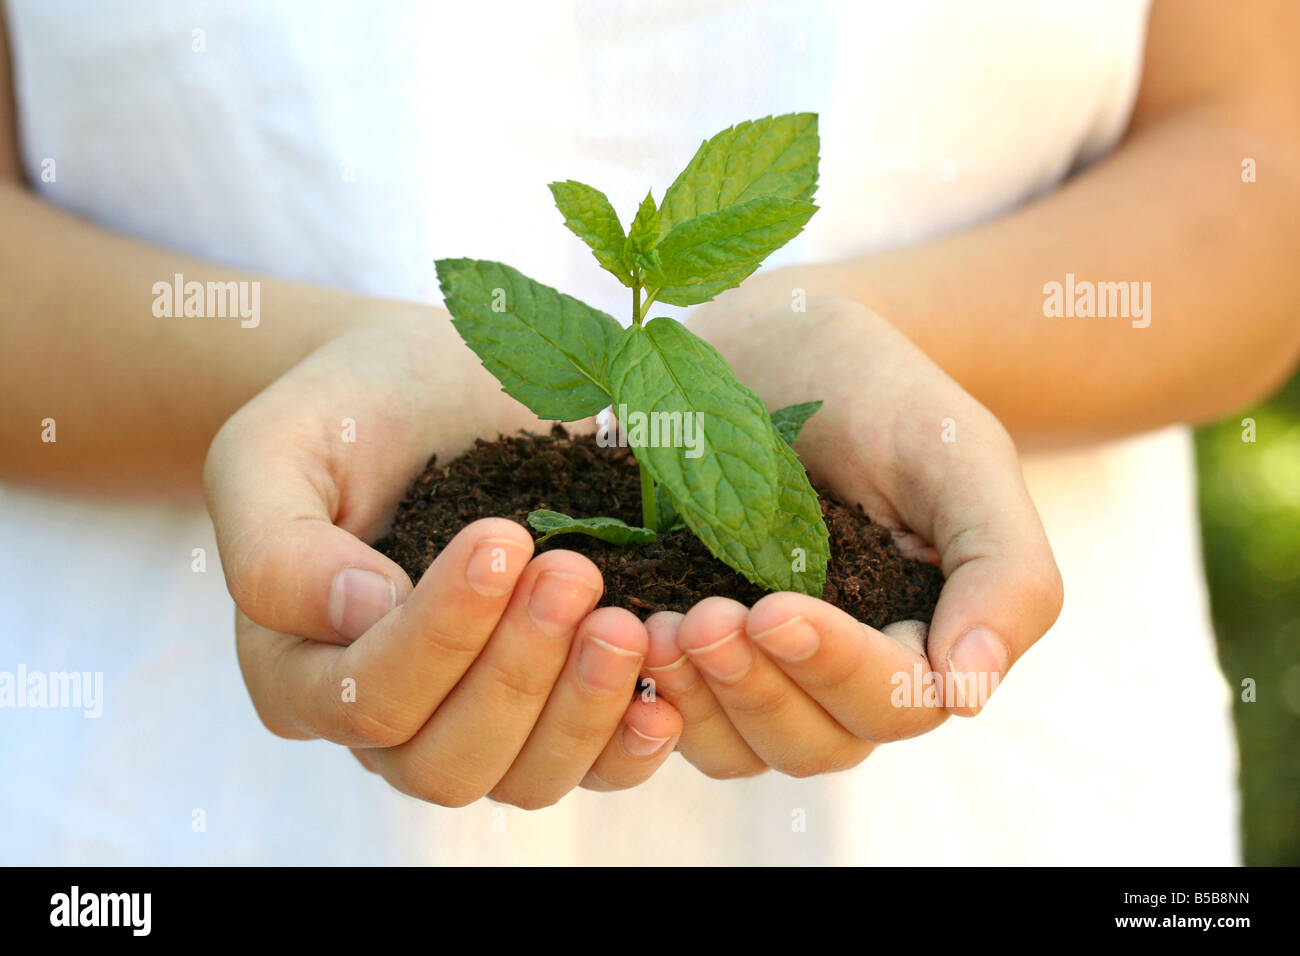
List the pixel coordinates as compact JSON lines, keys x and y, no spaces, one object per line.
{"x":746,"y":193}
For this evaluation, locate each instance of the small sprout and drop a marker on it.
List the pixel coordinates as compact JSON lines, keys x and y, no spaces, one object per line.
{"x":747,"y":497}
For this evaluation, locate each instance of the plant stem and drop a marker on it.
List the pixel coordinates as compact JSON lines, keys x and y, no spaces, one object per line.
{"x":649,"y":512}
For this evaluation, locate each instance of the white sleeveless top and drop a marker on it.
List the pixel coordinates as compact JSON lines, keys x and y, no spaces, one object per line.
{"x":350,"y":144}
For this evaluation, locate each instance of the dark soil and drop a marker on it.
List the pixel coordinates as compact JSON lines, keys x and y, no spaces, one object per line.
{"x":510,"y":477}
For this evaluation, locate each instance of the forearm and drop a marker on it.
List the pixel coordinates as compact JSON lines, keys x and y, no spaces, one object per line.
{"x":135,"y":397}
{"x":1169,"y":207}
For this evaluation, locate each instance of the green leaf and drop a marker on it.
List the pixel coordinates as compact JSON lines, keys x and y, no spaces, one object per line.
{"x":666,"y":512}
{"x":798,"y":524}
{"x":726,"y":491}
{"x":644,"y":232}
{"x":789,"y":421}
{"x":589,"y":215}
{"x":612,"y":530}
{"x":547,"y":349}
{"x":716,"y":251}
{"x":775,"y":156}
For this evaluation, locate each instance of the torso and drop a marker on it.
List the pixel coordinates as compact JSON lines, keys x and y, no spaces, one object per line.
{"x":351,"y":145}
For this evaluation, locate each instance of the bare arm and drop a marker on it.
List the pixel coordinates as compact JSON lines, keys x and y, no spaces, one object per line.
{"x":136,"y":399}
{"x":1169,"y":207}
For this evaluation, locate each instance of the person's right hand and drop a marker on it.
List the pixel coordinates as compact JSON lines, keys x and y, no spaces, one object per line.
{"x":491,"y":676}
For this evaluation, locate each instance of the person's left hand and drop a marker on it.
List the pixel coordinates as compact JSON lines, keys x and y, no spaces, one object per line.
{"x":796,"y":684}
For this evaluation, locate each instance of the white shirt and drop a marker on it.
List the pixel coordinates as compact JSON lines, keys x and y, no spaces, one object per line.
{"x":350,"y":144}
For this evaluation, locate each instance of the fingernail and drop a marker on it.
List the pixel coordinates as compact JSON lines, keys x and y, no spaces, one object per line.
{"x":604,"y":667}
{"x":495,"y":565}
{"x":977,"y":663}
{"x":639,"y":744}
{"x":559,"y":601}
{"x":795,"y":640}
{"x":728,"y":659}
{"x":358,"y":599}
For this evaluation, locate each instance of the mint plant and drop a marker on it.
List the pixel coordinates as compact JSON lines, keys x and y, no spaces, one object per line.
{"x":746,"y":192}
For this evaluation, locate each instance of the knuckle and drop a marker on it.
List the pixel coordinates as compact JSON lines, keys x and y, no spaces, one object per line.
{"x":768,"y":705}
{"x":833,"y":760}
{"x":437,"y":785}
{"x":451,"y":644}
{"x":576,"y":733}
{"x":361,"y":725}
{"x":278,"y":724}
{"x":523,"y":687}
{"x":262,"y":673}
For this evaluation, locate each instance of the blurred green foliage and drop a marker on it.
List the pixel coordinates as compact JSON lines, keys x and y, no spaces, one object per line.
{"x":1250,"y":520}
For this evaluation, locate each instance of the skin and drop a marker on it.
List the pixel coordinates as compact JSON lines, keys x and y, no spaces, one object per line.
{"x":1220,"y":255}
{"x":494,"y":675}
{"x":799,"y":685}
{"x":462,"y":694}
{"x":458,"y":694}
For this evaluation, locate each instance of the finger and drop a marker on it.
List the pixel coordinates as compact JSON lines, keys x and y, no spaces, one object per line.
{"x":260,"y":652}
{"x":968,"y":498}
{"x":645,"y":740}
{"x":862,"y":677}
{"x":288,"y":566}
{"x":783,"y":725}
{"x":380,"y":690}
{"x":479,"y":730}
{"x":582,"y":713}
{"x":1002,"y":590}
{"x":709,"y":741}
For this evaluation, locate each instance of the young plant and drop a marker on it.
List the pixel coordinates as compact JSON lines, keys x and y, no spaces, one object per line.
{"x":746,"y":193}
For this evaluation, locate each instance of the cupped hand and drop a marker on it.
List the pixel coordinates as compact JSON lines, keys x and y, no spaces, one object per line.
{"x":492,"y":675}
{"x":798,"y":685}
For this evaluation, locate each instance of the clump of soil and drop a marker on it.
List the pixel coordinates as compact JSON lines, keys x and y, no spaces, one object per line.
{"x":512,"y":476}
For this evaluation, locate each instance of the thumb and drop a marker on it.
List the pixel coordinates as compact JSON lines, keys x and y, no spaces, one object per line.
{"x":1002,"y":589}
{"x":287,"y":565}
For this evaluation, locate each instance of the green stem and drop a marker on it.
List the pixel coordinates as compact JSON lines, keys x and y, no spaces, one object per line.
{"x":649,"y":513}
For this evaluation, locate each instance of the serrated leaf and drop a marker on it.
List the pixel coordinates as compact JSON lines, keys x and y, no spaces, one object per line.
{"x":590,"y":216}
{"x":789,"y":421}
{"x":717,"y":251}
{"x":797,"y":524}
{"x":727,"y":494}
{"x":551,"y":523}
{"x":546,"y":349}
{"x":774,"y":156}
{"x":643,"y":233}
